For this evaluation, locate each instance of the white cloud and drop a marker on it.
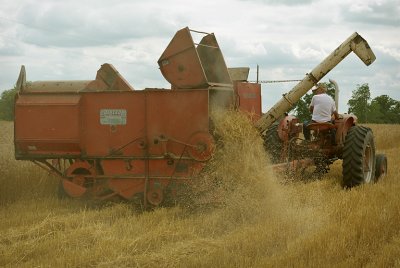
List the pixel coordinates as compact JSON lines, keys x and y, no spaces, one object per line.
{"x":306,"y":52}
{"x":71,"y":39}
{"x":392,"y":52}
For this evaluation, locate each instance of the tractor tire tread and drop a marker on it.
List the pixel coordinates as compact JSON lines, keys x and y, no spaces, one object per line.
{"x":353,"y":155}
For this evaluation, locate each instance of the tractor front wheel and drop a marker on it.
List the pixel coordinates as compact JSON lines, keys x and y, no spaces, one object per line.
{"x":358,"y":157}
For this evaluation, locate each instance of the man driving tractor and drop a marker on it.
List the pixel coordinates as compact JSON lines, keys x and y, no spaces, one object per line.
{"x":322,"y":107}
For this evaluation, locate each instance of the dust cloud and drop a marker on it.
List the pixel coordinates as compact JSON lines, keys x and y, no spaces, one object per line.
{"x":240,"y":182}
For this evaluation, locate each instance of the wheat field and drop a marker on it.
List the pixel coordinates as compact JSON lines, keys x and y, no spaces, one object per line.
{"x":263,"y":220}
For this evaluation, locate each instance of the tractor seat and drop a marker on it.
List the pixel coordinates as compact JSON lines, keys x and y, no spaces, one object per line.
{"x":321,"y":126}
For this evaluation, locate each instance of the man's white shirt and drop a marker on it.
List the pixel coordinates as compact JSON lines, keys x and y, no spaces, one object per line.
{"x":324,"y":107}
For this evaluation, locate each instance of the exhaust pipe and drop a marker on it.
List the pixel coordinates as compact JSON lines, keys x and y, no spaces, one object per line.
{"x":336,"y":93}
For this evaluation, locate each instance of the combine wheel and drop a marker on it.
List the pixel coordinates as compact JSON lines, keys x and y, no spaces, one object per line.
{"x":61,"y":193}
{"x":273,"y":144}
{"x":380,"y":166}
{"x":74,"y":184}
{"x":155,"y":196}
{"x":358,"y":157}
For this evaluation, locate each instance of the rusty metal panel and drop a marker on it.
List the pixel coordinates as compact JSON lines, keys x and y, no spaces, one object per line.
{"x":107,"y":78}
{"x":180,"y":64}
{"x":100,"y":139}
{"x":187,"y":65}
{"x":56,"y":86}
{"x":156,"y":122}
{"x":111,"y":78}
{"x":213,"y":61}
{"x":127,"y":188}
{"x":239,"y":73}
{"x":47,"y":124}
{"x":249,"y":99}
{"x":175,"y":115}
{"x":120,"y":167}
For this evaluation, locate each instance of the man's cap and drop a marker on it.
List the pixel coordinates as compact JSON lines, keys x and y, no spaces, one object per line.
{"x":319,"y":85}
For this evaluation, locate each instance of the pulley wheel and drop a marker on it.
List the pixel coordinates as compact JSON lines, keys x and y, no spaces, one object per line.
{"x":202,"y":146}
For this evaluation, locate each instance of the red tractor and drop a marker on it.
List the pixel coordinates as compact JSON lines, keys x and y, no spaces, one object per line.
{"x":107,"y":140}
{"x":343,"y":139}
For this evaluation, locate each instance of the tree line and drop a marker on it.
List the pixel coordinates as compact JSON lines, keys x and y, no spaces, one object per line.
{"x":379,"y":110}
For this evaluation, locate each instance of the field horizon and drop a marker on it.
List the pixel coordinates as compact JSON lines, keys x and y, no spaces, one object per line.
{"x":265,"y":221}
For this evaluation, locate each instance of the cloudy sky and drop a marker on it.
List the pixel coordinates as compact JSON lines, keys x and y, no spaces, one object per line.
{"x":69,"y":40}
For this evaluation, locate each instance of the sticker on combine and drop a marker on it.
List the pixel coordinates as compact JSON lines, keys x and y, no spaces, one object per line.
{"x":113,"y":117}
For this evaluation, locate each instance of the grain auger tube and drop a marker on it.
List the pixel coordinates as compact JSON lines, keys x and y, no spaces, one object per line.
{"x":354,"y":43}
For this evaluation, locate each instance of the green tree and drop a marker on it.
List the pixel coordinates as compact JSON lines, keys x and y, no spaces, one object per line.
{"x":7,"y":104}
{"x":396,"y":111}
{"x":359,"y":103}
{"x":384,"y":110}
{"x":375,"y":114}
{"x":380,"y":110}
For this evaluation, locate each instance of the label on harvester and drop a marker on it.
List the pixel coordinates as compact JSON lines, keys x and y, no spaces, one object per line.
{"x":113,"y":117}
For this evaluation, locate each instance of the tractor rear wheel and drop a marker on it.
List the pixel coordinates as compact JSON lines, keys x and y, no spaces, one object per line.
{"x":380,"y":166}
{"x":358,"y":157}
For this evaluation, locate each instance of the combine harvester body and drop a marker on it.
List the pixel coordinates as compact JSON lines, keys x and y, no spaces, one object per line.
{"x":107,"y":140}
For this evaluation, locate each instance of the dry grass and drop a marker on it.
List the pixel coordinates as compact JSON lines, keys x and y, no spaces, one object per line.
{"x":262,"y":224}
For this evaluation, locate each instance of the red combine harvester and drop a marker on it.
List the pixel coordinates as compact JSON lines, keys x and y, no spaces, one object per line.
{"x":106,"y":140}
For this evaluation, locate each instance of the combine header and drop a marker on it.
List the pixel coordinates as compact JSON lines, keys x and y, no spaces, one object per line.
{"x":107,"y":140}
